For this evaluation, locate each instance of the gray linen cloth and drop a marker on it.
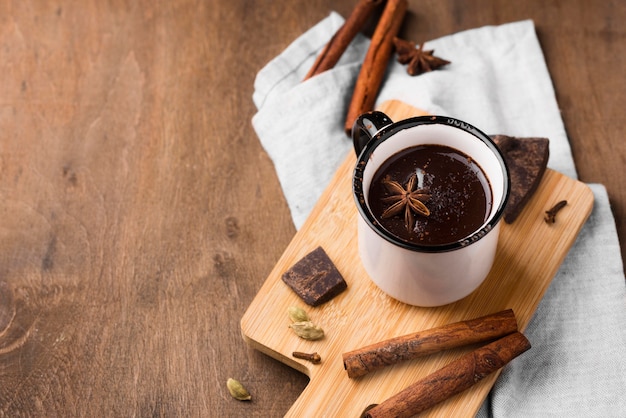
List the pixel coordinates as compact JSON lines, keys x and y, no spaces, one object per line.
{"x":578,"y":333}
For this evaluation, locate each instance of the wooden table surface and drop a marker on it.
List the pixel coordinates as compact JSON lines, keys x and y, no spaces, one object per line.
{"x":140,"y":214}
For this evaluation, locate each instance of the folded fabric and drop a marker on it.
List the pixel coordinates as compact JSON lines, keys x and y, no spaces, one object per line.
{"x":499,"y":82}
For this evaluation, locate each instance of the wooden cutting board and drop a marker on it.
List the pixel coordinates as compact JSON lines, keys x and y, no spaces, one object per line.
{"x":529,"y":254}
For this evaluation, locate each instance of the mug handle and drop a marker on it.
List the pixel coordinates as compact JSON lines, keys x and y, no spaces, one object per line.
{"x":366,"y":126}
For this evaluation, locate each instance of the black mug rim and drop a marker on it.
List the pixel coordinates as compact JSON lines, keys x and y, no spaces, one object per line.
{"x":389,"y":131}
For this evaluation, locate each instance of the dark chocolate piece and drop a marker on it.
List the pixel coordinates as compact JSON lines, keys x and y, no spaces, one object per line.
{"x":527,"y":159}
{"x":315,"y":278}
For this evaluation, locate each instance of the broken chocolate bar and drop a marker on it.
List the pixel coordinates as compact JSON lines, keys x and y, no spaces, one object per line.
{"x":315,"y":278}
{"x":527,"y":159}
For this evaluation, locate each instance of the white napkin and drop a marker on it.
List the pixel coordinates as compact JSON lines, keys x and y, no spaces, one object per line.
{"x":498,"y":81}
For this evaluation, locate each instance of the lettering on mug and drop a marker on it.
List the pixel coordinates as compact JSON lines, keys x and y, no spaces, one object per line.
{"x":478,"y":235}
{"x":460,"y":124}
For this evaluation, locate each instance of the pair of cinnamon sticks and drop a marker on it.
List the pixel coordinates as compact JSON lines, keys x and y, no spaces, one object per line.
{"x":377,"y":57}
{"x":453,"y":378}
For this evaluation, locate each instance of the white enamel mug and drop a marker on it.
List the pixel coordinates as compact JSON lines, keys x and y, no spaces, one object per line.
{"x":416,"y":274}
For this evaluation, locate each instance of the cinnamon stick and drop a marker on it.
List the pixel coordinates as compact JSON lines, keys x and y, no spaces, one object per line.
{"x":372,"y":357}
{"x":376,"y":61}
{"x":329,"y":56}
{"x":454,"y":378}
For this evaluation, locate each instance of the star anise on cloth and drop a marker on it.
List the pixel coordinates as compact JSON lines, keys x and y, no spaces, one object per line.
{"x":407,"y":199}
{"x":418,"y":60}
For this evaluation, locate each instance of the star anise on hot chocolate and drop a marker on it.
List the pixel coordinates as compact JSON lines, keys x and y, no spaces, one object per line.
{"x":407,"y":199}
{"x":418,"y":60}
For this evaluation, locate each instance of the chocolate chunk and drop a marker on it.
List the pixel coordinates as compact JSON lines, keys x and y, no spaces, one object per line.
{"x":527,"y":159}
{"x":315,"y":278}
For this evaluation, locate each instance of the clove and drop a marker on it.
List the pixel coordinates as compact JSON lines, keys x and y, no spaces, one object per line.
{"x":312,"y":357}
{"x":550,"y":217}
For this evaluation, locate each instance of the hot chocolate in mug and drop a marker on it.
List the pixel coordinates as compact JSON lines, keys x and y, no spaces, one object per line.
{"x":430,"y":193}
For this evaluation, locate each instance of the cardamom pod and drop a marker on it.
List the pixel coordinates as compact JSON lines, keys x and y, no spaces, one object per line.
{"x":297,"y":314}
{"x":307,"y":330}
{"x":237,"y":390}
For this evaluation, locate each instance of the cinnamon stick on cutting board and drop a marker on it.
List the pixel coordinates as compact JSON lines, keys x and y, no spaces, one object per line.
{"x":376,"y":61}
{"x":454,"y":378}
{"x":385,"y":353}
{"x":341,"y":39}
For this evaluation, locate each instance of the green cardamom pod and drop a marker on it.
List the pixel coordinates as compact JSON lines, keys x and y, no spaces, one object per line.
{"x":297,"y":314}
{"x":307,"y":330}
{"x":237,"y":390}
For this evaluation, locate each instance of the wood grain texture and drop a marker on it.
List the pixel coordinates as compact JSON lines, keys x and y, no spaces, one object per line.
{"x":140,"y":215}
{"x":363,"y":314}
